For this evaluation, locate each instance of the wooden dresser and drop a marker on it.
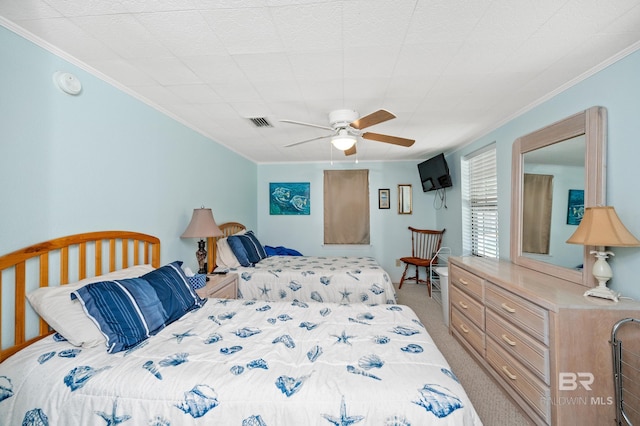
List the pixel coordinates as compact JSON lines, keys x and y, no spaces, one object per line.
{"x":544,"y":342}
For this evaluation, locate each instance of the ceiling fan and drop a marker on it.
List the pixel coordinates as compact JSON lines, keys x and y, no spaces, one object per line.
{"x":346,"y":126}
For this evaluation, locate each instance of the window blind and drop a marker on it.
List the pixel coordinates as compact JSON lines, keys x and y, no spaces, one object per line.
{"x":480,"y":203}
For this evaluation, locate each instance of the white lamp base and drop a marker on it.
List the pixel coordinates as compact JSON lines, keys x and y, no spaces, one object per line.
{"x":602,"y":272}
{"x":603,"y":293}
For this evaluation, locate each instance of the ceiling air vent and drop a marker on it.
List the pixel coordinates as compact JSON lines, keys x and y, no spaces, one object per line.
{"x":260,"y":122}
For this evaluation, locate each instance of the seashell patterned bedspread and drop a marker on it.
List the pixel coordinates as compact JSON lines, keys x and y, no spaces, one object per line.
{"x":245,"y":362}
{"x":317,"y":278}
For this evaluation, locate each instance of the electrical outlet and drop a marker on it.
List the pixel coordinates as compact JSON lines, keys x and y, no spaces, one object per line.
{"x":398,"y":263}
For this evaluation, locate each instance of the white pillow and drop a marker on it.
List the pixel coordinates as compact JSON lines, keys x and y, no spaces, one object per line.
{"x":66,"y":316}
{"x":224,"y":255}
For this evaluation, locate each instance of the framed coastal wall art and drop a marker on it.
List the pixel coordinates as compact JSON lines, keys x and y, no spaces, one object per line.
{"x":289,"y":198}
{"x":575,"y":209}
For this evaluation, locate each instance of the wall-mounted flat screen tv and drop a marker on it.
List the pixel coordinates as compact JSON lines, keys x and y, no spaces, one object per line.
{"x":434,"y":173}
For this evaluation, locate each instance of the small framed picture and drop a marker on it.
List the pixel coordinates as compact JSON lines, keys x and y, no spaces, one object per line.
{"x":383,"y":198}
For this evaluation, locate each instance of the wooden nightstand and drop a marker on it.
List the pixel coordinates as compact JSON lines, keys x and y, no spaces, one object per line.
{"x":220,"y":286}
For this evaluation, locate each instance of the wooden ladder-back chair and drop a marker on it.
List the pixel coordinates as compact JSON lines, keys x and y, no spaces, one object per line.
{"x":425,"y":244}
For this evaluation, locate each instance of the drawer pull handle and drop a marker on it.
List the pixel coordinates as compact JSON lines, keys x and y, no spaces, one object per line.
{"x":508,"y":308}
{"x":508,"y":373}
{"x":464,"y":306}
{"x":509,"y":341}
{"x":463,"y":328}
{"x":462,"y":281}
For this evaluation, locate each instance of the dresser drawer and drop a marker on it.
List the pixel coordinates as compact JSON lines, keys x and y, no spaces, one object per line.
{"x":530,"y":388}
{"x":468,"y":331}
{"x":530,"y":352}
{"x":526,"y":315}
{"x":467,"y":281}
{"x":468,"y":306}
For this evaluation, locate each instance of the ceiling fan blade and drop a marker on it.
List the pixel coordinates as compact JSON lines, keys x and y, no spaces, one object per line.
{"x":307,"y":140}
{"x":377,"y":117}
{"x":350,"y":151}
{"x":395,"y":140}
{"x":306,"y":124}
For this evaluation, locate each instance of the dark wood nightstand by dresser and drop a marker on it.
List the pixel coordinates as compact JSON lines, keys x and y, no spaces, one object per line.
{"x":220,"y":286}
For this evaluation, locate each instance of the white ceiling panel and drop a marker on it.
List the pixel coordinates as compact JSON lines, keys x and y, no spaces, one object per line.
{"x":450,"y":70}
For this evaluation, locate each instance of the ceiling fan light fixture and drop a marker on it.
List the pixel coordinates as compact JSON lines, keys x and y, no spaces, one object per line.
{"x":343,"y":140}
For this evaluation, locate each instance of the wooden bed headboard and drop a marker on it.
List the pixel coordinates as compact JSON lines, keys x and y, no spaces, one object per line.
{"x":110,"y":250}
{"x":228,"y":228}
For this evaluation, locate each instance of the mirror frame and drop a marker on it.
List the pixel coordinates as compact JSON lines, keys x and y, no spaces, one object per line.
{"x":404,"y":190}
{"x":592,"y":123}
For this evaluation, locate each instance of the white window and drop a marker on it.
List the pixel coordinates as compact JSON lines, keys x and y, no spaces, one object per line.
{"x":480,"y":203}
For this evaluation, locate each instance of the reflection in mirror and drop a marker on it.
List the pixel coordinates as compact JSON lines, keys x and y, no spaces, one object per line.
{"x":551,"y":173}
{"x":404,"y":199}
{"x":556,"y":172}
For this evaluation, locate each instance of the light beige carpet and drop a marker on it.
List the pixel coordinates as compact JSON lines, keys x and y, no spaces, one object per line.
{"x":491,"y":403}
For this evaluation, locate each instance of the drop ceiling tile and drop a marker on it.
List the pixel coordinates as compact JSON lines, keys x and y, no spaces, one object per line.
{"x":184,"y":33}
{"x":195,"y":93}
{"x":245,"y":30}
{"x":379,"y":24}
{"x":18,"y":10}
{"x":264,"y":67}
{"x":124,"y":34}
{"x":123,"y":72}
{"x":310,"y":27}
{"x":328,"y":64}
{"x":215,"y":69}
{"x":69,"y":38}
{"x":88,"y":7}
{"x":167,"y":70}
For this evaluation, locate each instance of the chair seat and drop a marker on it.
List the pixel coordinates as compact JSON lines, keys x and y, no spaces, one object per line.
{"x":416,"y":261}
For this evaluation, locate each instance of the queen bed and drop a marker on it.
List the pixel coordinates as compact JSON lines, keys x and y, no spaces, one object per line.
{"x":339,"y":279}
{"x":231,"y":362}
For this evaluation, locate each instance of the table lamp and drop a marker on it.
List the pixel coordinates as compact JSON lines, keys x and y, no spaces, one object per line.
{"x":600,"y":227}
{"x":202,"y":226}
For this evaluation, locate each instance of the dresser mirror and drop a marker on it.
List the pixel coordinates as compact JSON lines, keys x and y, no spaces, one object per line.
{"x":556,"y":172}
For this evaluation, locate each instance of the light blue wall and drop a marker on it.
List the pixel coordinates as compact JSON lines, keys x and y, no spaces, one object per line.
{"x":390,"y":238}
{"x":104,"y":160}
{"x":616,"y":88}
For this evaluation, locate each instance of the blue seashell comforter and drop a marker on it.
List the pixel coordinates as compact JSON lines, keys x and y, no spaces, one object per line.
{"x":317,"y":279}
{"x":245,"y":362}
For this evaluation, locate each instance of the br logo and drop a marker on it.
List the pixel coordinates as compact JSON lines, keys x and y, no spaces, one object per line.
{"x":571,"y":381}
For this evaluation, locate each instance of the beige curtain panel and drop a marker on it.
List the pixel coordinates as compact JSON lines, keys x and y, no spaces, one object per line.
{"x":346,"y":207}
{"x":536,"y":213}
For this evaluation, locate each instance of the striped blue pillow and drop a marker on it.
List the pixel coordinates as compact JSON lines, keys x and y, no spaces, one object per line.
{"x":126,"y":311}
{"x":174,"y":291}
{"x":247,"y":248}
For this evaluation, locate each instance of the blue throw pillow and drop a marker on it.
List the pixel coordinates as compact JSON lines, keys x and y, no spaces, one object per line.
{"x":126,"y":311}
{"x":174,"y":291}
{"x":255,"y":245}
{"x":238,"y":249}
{"x":249,"y":250}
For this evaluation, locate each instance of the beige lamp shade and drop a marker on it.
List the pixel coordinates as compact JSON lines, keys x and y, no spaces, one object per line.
{"x":601,"y":226}
{"x":202,"y":225}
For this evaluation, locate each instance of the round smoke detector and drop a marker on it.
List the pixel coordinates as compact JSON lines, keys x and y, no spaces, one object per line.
{"x":67,"y":82}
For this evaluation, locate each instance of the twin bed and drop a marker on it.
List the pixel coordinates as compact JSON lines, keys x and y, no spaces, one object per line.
{"x":231,"y":362}
{"x":310,"y":278}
